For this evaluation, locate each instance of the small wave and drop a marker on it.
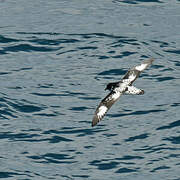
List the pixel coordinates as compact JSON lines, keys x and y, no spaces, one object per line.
{"x":165,"y":78}
{"x":64,"y":93}
{"x":173,"y":139}
{"x":6,"y":111}
{"x":141,"y":136}
{"x":124,"y":54}
{"x":160,"y":168}
{"x":77,"y":132}
{"x":126,"y":170}
{"x":161,"y":43}
{"x":136,"y":113}
{"x":4,"y":73}
{"x":97,"y":35}
{"x":21,"y":106}
{"x":17,"y":136}
{"x":32,"y":137}
{"x":129,"y":157}
{"x":53,"y":42}
{"x":156,"y":66}
{"x":173,"y":51}
{"x":4,"y":174}
{"x":137,"y":1}
{"x":156,"y":148}
{"x":89,"y":98}
{"x":53,"y":158}
{"x":5,"y":40}
{"x":87,"y":47}
{"x":28,"y":48}
{"x":113,"y":72}
{"x":26,"y":108}
{"x":104,"y":166}
{"x":81,"y":108}
{"x":81,"y":176}
{"x":171,"y":125}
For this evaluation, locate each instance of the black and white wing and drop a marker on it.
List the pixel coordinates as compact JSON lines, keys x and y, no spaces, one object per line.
{"x":134,"y":73}
{"x":104,"y":106}
{"x":134,"y":91}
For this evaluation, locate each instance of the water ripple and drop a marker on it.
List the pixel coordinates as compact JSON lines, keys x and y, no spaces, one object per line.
{"x":4,"y":174}
{"x":141,"y":136}
{"x":25,"y":107}
{"x":77,"y":132}
{"x":137,"y":1}
{"x":170,"y":125}
{"x":127,"y":170}
{"x":5,"y":40}
{"x":113,"y":72}
{"x":158,"y":148}
{"x":53,"y":158}
{"x":27,"y":48}
{"x":104,"y":166}
{"x":32,"y":137}
{"x":173,"y":139}
{"x":160,"y":168}
{"x":136,"y":113}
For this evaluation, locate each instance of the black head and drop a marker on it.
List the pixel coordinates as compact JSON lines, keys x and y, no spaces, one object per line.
{"x":110,"y":86}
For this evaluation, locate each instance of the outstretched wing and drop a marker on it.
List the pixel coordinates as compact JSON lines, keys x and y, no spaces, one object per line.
{"x":134,"y":73}
{"x":104,"y":106}
{"x":133,"y":90}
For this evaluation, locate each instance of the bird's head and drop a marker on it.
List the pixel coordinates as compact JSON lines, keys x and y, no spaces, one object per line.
{"x":110,"y":86}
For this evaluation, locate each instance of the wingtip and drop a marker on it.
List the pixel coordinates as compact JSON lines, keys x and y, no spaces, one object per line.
{"x":150,"y":60}
{"x":142,"y":92}
{"x":93,"y":124}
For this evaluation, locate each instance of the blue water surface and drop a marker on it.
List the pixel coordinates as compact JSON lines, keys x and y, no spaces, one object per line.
{"x":56,"y":58}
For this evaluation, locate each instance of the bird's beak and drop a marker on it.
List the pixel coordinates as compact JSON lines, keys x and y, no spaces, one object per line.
{"x":105,"y":89}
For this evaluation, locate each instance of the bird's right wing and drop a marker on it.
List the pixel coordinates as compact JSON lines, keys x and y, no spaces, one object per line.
{"x":134,"y":91}
{"x":104,"y":106}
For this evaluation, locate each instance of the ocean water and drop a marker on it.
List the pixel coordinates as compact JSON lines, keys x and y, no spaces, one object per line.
{"x":56,"y":58}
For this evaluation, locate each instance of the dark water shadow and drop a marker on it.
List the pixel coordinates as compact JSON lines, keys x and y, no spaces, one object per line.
{"x":136,"y":1}
{"x":5,"y":110}
{"x":53,"y":158}
{"x":75,"y":131}
{"x":136,"y":113}
{"x":113,"y":72}
{"x":160,"y":168}
{"x":32,"y":137}
{"x":63,"y":93}
{"x":129,"y":157}
{"x":156,"y":148}
{"x":170,"y":125}
{"x":5,"y":40}
{"x":27,"y":48}
{"x":80,"y":108}
{"x":104,"y":166}
{"x":173,"y":139}
{"x":5,"y":174}
{"x":127,"y":170}
{"x":141,"y":136}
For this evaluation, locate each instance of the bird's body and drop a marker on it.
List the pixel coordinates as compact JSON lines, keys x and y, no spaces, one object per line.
{"x":116,"y":89}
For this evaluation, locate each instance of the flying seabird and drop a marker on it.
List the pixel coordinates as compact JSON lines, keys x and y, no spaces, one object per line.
{"x":116,"y":89}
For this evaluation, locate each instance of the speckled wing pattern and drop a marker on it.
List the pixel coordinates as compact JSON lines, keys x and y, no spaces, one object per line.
{"x":104,"y":106}
{"x":121,"y":87}
{"x":134,"y":73}
{"x":134,"y":91}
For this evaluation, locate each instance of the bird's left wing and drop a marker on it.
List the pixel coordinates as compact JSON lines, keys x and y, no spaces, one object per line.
{"x":104,"y":106}
{"x":134,"y":73}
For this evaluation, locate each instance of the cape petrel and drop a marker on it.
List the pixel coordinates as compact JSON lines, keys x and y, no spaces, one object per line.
{"x":116,"y":89}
